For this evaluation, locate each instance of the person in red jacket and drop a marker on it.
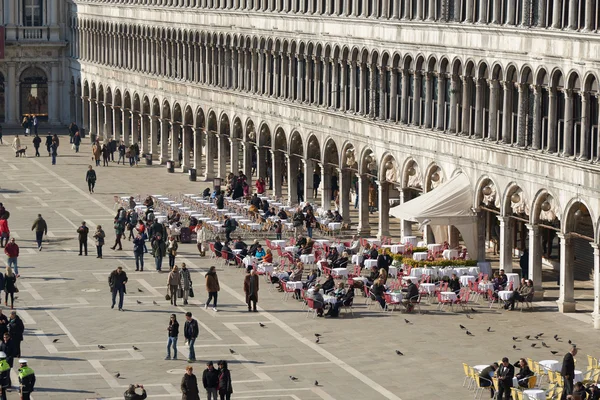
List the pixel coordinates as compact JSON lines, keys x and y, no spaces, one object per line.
{"x":12,"y":252}
{"x":4,"y":231}
{"x":260,"y":185}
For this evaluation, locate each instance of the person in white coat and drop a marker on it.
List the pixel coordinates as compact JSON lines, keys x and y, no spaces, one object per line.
{"x":201,"y":238}
{"x":16,"y":144}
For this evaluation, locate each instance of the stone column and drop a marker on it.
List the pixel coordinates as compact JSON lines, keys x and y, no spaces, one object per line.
{"x":481,"y":231}
{"x":566,"y":300}
{"x":222,"y":144}
{"x":393,"y":94}
{"x":483,"y":12}
{"x":536,"y":142}
{"x":126,"y":126}
{"x":209,"y":172}
{"x":325,"y":188}
{"x":164,"y":141}
{"x":507,"y":113}
{"x":292,"y":178}
{"x":186,"y":132}
{"x":441,"y":102}
{"x":53,"y":117}
{"x":276,"y":157}
{"x":154,"y":128}
{"x":404,"y":106}
{"x":510,"y":13}
{"x":299,"y":78}
{"x":86,"y":114}
{"x":343,"y":88}
{"x":535,"y":260}
{"x":405,"y":225}
{"x":197,"y":162}
{"x":175,"y":131}
{"x":261,"y":162}
{"x":506,"y":249}
{"x":417,"y":99}
{"x":568,"y":129}
{"x":333,"y":89}
{"x":573,"y":14}
{"x":590,"y":12}
{"x":372,"y":70}
{"x":364,"y":226}
{"x":596,"y":279}
{"x":308,"y":166}
{"x":469,"y":10}
{"x":584,"y":139}
{"x":247,"y":161}
{"x":384,"y":209}
{"x":522,"y":116}
{"x":100,"y":120}
{"x":428,"y":100}
{"x":453,"y":104}
{"x":382,"y":93}
{"x":351,"y":70}
{"x":345,"y":182}
{"x":465,"y":128}
{"x":144,"y":133}
{"x":557,"y":15}
{"x":478,"y":108}
{"x":116,"y":121}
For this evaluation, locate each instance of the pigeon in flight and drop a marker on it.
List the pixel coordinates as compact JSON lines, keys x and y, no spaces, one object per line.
{"x":462,"y":327}
{"x":140,"y":290}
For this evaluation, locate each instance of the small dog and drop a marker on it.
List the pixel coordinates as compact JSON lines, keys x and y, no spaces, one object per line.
{"x":21,"y":152}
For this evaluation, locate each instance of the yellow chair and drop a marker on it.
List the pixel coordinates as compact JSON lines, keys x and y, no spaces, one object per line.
{"x":590,"y":361}
{"x":591,"y":376}
{"x":478,"y":388}
{"x":559,"y":390}
{"x":468,"y":376}
{"x":551,"y":392}
{"x":516,"y":394}
{"x":531,"y":382}
{"x":530,"y":362}
{"x":495,"y":382}
{"x":551,"y":377}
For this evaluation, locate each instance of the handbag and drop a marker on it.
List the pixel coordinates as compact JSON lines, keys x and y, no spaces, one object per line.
{"x":191,"y":293}
{"x":27,"y":131}
{"x":180,"y":293}
{"x":16,"y":289}
{"x":167,"y":296}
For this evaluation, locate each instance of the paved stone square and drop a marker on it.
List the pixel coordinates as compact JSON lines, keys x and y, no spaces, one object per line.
{"x":66,"y":297}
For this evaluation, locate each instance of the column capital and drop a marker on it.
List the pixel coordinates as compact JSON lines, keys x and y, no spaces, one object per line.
{"x":567,"y":92}
{"x":533,"y":229}
{"x":566,"y":237}
{"x":503,"y":220}
{"x":537,"y":89}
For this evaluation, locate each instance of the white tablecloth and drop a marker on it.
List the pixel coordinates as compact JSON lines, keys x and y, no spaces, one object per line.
{"x":427,"y":287}
{"x":434,"y":248}
{"x":278,"y":243}
{"x":249,"y":261}
{"x":291,"y":249}
{"x":340,"y":272}
{"x":450,"y":254}
{"x":486,"y":286}
{"x":551,"y":365}
{"x":410,"y":240}
{"x":396,"y":296}
{"x":264,"y":268}
{"x":370,"y":263}
{"x":307,"y":258}
{"x":466,"y":271}
{"x":413,"y":279}
{"x":448,"y":296}
{"x":465,"y":279}
{"x":534,"y":394}
{"x":420,"y":255}
{"x":255,"y":227}
{"x":357,"y":259}
{"x":294,"y":285}
{"x":330,"y":299}
{"x":393,"y":272}
{"x":334,"y":226}
{"x":431,"y":271}
{"x":237,"y":251}
{"x":514,"y":278}
{"x":505,"y":294}
{"x":394,"y":248}
{"x":421,"y":243}
{"x":374,"y":241}
{"x":323,"y":242}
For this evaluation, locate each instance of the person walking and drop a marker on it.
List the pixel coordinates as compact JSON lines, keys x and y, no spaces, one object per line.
{"x":36,"y":144}
{"x":212,"y":287}
{"x":41,"y":229}
{"x":48,"y":143}
{"x":173,"y":283}
{"x":99,"y":236}
{"x":122,"y":151}
{"x":12,"y":252}
{"x":251,"y":289}
{"x":119,"y":229}
{"x":105,"y":155}
{"x":186,"y":282}
{"x":297,"y":222}
{"x":10,"y":281}
{"x":90,"y":178}
{"x":138,"y":252}
{"x":210,"y":381}
{"x":76,"y":141}
{"x":8,"y":347}
{"x":159,"y":249}
{"x":26,"y":380}
{"x":172,"y":247}
{"x":116,"y":282}
{"x":82,"y":233}
{"x":16,"y":144}
{"x":190,"y":331}
{"x":4,"y":230}
{"x":130,"y":393}
{"x":173,"y":330}
{"x":16,"y":329}
{"x":201,"y":238}
{"x":224,"y":386}
{"x":96,"y":152}
{"x":5,"y":382}
{"x":54,"y":151}
{"x":189,"y":385}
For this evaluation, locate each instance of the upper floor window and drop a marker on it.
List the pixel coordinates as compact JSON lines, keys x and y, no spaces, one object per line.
{"x":32,"y":13}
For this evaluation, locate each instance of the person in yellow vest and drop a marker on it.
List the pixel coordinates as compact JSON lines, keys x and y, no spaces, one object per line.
{"x":5,"y":382}
{"x":26,"y":380}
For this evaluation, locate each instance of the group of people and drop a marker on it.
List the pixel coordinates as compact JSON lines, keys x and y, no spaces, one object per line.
{"x":106,"y":151}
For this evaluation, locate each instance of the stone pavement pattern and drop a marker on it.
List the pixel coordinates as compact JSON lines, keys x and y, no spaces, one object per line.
{"x":63,"y":296}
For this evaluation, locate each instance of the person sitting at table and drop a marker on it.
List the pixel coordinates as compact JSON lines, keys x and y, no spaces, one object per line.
{"x":411,"y":296}
{"x":317,"y":298}
{"x":149,"y":202}
{"x":524,"y":373}
{"x":269,"y":213}
{"x":523,"y":293}
{"x":329,"y":215}
{"x":329,"y":284}
{"x":378,"y":291}
{"x":279,"y":277}
{"x":485,"y":377}
{"x":454,"y":284}
{"x":206,"y":193}
{"x":382,"y":275}
{"x":311,"y":279}
{"x":240,"y":245}
{"x":220,"y":200}
{"x":580,"y":392}
{"x":268,"y":257}
{"x":278,"y":227}
{"x":227,"y":253}
{"x":340,"y":290}
{"x":373,"y":275}
{"x":497,"y":282}
{"x":252,"y":249}
{"x":307,"y":248}
{"x":503,"y":278}
{"x":296,"y":275}
{"x":345,"y":299}
{"x":282,"y":214}
{"x":373,"y":253}
{"x":341,"y":262}
{"x":337,"y":217}
{"x":332,"y":255}
{"x":264,"y":205}
{"x":255,"y":201}
{"x":354,"y":246}
{"x":260,"y":253}
{"x":218,"y":247}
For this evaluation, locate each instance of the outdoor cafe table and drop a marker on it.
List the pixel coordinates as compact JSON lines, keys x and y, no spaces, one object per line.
{"x":394,"y":248}
{"x":278,"y":243}
{"x":237,"y":251}
{"x":420,"y":255}
{"x":427,"y":287}
{"x":357,"y":259}
{"x":291,"y":249}
{"x":294,"y":285}
{"x":393,"y":271}
{"x":450,"y":254}
{"x":412,"y":240}
{"x":255,"y":227}
{"x":330,"y":299}
{"x":448,"y":296}
{"x":533,"y":394}
{"x":396,"y":296}
{"x":486,"y":286}
{"x":323,"y":242}
{"x":413,"y":279}
{"x":465,"y":279}
{"x":434,"y":248}
{"x":514,"y":278}
{"x":370,"y":263}
{"x":343,"y":272}
{"x":505,"y":294}
{"x":265,"y":268}
{"x":551,"y":365}
{"x":307,"y":258}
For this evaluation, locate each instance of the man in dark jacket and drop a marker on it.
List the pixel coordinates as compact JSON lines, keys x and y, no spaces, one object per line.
{"x":82,"y":233}
{"x":485,"y":377}
{"x":157,"y":229}
{"x":210,"y":381}
{"x":8,"y":347}
{"x":190,"y":332}
{"x":138,"y":252}
{"x":3,"y":324}
{"x":48,"y":143}
{"x":41,"y":229}
{"x":220,"y":202}
{"x":77,"y":142}
{"x":16,"y":328}
{"x":505,"y":374}
{"x":116,"y":282}
{"x":189,"y":385}
{"x":298,"y":222}
{"x":229,"y":227}
{"x":36,"y":144}
{"x":130,"y":393}
{"x":159,"y":250}
{"x":568,"y":372}
{"x":411,"y":295}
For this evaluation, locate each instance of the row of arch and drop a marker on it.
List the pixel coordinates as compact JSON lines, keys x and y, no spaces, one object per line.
{"x":559,"y":14}
{"x":542,"y":108}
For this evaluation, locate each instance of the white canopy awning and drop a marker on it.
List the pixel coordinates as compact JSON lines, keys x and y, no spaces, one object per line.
{"x":448,"y":204}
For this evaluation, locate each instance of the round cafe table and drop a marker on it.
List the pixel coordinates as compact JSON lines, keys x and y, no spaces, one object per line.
{"x":278,"y":243}
{"x":393,"y":272}
{"x":534,"y":394}
{"x":486,"y":286}
{"x":505,"y":295}
{"x":514,"y":278}
{"x":340,"y":272}
{"x":448,"y":296}
{"x":291,"y":249}
{"x":466,"y":279}
{"x":420,"y":255}
{"x":551,"y":365}
{"x":294,"y":285}
{"x":480,"y":368}
{"x":428,"y":287}
{"x":357,"y":259}
{"x":370,"y":263}
{"x":307,"y":258}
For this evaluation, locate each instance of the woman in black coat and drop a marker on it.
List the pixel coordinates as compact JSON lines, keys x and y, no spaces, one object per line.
{"x":224,"y":387}
{"x":10,"y":280}
{"x":189,"y":385}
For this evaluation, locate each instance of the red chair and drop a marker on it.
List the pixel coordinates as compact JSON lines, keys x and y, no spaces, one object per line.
{"x":415,"y":300}
{"x":368,"y":299}
{"x":491,"y":298}
{"x":326,"y":270}
{"x":286,"y":290}
{"x":313,"y":307}
{"x":390,"y":302}
{"x":442,"y":302}
{"x":212,"y":249}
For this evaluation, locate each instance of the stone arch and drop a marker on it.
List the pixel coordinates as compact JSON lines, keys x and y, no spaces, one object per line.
{"x":250,"y":131}
{"x":264,"y":136}
{"x":411,"y":175}
{"x":238,"y":131}
{"x":434,"y":176}
{"x":545,"y":207}
{"x":487,"y":193}
{"x":200,"y":121}
{"x":313,"y":148}
{"x":368,"y":162}
{"x":514,"y":200}
{"x":280,"y":142}
{"x":296,"y":144}
{"x":350,"y":156}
